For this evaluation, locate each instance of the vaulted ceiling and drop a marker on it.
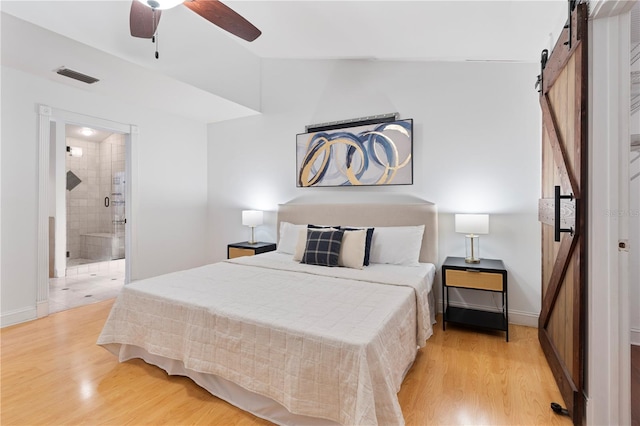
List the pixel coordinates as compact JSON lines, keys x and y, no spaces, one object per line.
{"x":196,"y":53}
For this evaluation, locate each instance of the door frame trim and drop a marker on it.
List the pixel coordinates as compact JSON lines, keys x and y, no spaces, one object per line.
{"x":609,"y":370}
{"x":47,"y":115}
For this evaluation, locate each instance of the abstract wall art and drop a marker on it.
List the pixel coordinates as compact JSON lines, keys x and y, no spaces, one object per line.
{"x":372,"y":154}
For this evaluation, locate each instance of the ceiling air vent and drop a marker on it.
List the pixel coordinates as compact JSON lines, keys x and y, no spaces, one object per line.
{"x":76,"y":75}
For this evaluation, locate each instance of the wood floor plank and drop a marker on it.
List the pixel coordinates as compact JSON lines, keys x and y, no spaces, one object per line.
{"x":54,"y":373}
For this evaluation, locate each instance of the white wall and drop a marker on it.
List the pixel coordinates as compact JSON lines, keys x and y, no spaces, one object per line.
{"x":476,"y":149}
{"x":634,"y":199}
{"x":170,"y":168}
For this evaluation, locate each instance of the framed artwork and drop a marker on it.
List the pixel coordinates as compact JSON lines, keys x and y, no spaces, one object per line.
{"x":371,"y":154}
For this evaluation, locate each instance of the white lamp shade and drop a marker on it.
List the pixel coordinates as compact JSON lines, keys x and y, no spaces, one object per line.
{"x":252,"y":217}
{"x":472,"y":223}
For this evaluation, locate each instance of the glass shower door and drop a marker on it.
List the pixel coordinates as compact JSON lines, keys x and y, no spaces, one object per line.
{"x":118,"y":211}
{"x":119,"y":218}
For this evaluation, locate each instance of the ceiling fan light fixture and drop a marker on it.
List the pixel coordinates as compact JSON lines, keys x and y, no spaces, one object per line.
{"x":161,"y":4}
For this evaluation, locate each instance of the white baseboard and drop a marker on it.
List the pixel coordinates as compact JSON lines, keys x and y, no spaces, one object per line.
{"x":60,"y":272}
{"x":515,"y":317}
{"x":42,"y":309}
{"x":17,"y":316}
{"x":523,"y":318}
{"x":635,"y":336}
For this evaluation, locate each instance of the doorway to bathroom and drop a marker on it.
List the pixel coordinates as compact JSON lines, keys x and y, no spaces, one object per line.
{"x":89,"y":258}
{"x":52,"y":213}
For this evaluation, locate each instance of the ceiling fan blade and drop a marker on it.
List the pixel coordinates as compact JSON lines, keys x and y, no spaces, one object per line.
{"x":224,"y":17}
{"x":142,"y":20}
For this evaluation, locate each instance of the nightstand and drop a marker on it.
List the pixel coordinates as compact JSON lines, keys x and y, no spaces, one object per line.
{"x":247,"y":249}
{"x":488,"y":275}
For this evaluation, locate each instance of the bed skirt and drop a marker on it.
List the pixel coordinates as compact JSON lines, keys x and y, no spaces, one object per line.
{"x":256,"y":404}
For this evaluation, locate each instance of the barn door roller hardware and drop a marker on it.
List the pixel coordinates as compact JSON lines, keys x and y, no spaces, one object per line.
{"x":571,"y":5}
{"x":544,"y":56}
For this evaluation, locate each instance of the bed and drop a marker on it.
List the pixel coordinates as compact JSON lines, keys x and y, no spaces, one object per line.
{"x":291,"y":342}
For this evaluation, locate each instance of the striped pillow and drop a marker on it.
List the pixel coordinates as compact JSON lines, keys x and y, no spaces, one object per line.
{"x":323,"y":247}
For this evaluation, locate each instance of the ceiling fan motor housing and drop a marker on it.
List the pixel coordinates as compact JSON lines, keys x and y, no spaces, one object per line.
{"x":161,"y":4}
{"x":145,"y":16}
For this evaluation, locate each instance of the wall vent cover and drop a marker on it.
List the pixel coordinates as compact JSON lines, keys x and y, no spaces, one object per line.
{"x":76,"y":75}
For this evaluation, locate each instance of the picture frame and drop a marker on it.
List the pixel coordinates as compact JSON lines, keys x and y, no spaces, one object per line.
{"x":377,"y":154}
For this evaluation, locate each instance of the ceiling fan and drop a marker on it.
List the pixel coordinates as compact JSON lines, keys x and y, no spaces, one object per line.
{"x":145,"y":16}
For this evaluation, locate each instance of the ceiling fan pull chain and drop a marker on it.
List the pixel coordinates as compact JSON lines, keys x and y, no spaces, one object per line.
{"x":153,"y":23}
{"x":155,"y":39}
{"x":157,"y":43}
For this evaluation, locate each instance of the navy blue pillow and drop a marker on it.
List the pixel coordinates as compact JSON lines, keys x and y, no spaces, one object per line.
{"x":311,"y":226}
{"x":323,"y":247}
{"x":367,"y":243}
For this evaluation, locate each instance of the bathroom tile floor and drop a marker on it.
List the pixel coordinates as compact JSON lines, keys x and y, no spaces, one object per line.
{"x":85,"y":284}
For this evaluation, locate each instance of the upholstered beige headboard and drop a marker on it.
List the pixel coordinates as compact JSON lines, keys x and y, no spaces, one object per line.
{"x":370,"y":215}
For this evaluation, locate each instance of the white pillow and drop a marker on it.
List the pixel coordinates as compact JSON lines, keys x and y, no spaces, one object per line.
{"x":397,"y":245}
{"x":352,"y":249}
{"x":289,"y":237}
{"x":301,"y":245}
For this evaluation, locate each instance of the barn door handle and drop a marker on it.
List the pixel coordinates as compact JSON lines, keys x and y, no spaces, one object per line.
{"x":556,"y":211}
{"x":106,"y":201}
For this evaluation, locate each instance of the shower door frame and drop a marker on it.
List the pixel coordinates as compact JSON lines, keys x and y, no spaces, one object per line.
{"x":46,"y":116}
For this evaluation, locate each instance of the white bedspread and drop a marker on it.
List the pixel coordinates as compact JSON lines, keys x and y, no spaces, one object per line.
{"x":324,"y":342}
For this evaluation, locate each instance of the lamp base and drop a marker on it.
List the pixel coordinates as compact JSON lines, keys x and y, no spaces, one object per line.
{"x":472,"y":248}
{"x":252,"y":241}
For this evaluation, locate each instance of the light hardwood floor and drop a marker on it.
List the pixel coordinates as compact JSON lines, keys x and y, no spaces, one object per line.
{"x":54,"y":373}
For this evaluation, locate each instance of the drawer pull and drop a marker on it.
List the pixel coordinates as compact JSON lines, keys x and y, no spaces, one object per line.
{"x":473,"y":270}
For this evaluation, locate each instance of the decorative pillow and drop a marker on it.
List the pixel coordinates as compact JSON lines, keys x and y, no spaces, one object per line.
{"x":323,"y":247}
{"x":367,"y":247}
{"x":300,"y":245}
{"x":302,"y":239}
{"x":352,"y":249}
{"x":289,"y":237}
{"x":311,"y":226}
{"x":398,"y":245}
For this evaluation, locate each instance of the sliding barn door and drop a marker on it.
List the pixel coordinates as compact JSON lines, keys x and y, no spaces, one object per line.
{"x":562,"y":209}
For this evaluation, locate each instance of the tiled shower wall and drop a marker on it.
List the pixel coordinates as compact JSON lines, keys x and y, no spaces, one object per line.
{"x":86,"y":211}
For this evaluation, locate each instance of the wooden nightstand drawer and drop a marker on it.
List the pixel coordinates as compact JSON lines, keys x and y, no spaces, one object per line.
{"x":472,"y":279}
{"x":248,"y":249}
{"x":239,"y":252}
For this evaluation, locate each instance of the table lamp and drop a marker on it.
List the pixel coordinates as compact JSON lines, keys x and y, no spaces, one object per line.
{"x":472,"y":225}
{"x":252,"y":218}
